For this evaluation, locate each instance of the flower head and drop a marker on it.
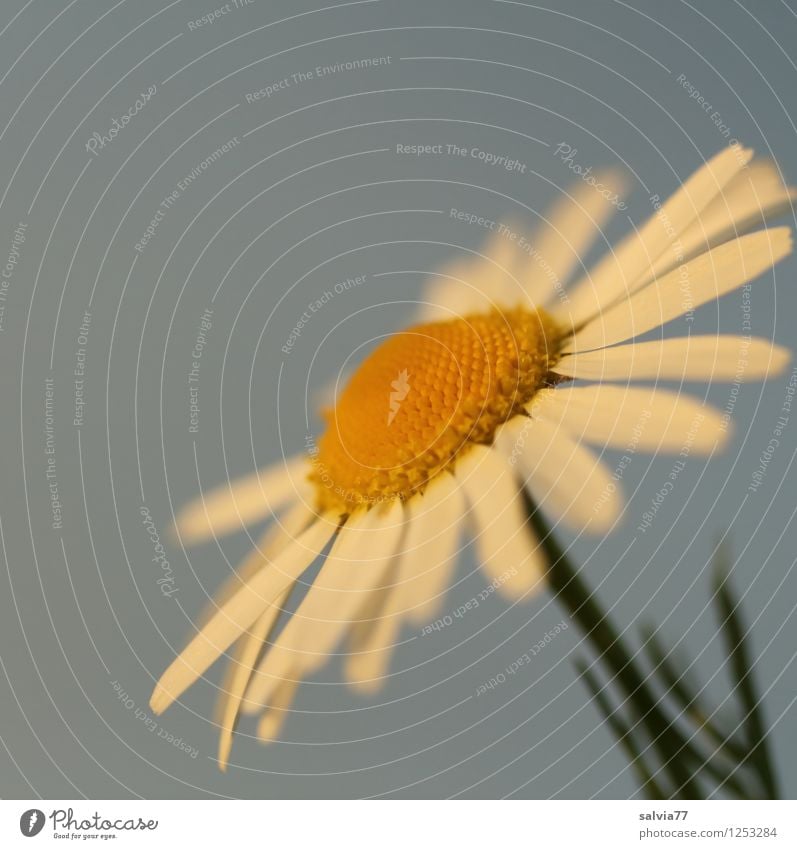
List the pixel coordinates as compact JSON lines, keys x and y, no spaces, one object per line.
{"x":443,"y":426}
{"x":470,"y":375}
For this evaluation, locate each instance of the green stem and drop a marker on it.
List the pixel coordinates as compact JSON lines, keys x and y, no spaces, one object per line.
{"x":600,"y":631}
{"x":736,"y":645}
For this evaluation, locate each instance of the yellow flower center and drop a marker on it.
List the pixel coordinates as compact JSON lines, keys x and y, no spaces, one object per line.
{"x":423,"y":396}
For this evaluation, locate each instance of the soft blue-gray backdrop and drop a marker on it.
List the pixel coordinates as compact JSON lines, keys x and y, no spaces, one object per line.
{"x":311,"y":191}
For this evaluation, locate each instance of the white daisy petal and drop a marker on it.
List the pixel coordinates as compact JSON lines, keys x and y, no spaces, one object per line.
{"x":232,"y":506}
{"x":354,"y":569}
{"x":562,"y":476}
{"x":431,"y":546}
{"x":445,"y":298}
{"x":275,"y":716}
{"x":475,"y":284}
{"x":510,"y":272}
{"x":367,"y":664}
{"x":505,"y":544}
{"x":704,"y":358}
{"x":249,"y":646}
{"x":651,"y":419}
{"x":425,"y":563}
{"x":279,"y":535}
{"x":755,"y":195}
{"x":620,"y":269}
{"x":378,"y":625}
{"x":500,"y":276}
{"x":571,"y":227}
{"x":697,"y":282}
{"x":241,"y":666}
{"x":240,"y":611}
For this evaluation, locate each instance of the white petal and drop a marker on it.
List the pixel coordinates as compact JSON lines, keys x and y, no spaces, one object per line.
{"x":234,"y":505}
{"x":562,"y":476}
{"x":432,"y":546}
{"x":644,"y":417}
{"x":445,"y":298}
{"x":240,"y":611}
{"x":353,"y":571}
{"x":755,"y":195}
{"x":505,"y":544}
{"x":476,"y":284}
{"x":501,"y":277}
{"x":533,"y":271}
{"x":704,"y":358}
{"x":556,"y":249}
{"x":620,"y":269}
{"x":279,"y":535}
{"x":276,"y":714}
{"x":425,"y":565}
{"x":703,"y":279}
{"x":249,"y":646}
{"x":366,"y":666}
{"x":241,"y":666}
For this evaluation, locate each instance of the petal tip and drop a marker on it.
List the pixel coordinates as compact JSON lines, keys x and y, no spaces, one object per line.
{"x":269,"y":726}
{"x":225,"y":747}
{"x":782,"y":240}
{"x":724,"y":434}
{"x":781,"y":357}
{"x":160,"y":699}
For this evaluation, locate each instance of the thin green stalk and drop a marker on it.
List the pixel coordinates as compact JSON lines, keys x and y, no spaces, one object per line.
{"x":689,"y":702}
{"x":624,"y":735}
{"x":736,"y":645}
{"x":600,"y":631}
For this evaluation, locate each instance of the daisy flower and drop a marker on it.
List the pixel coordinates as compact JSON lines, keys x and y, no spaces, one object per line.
{"x":502,"y":383}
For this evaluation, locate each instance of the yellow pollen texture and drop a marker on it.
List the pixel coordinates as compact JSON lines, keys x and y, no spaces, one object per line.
{"x":422,"y":397}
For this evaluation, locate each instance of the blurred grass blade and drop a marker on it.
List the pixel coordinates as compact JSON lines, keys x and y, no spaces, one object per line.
{"x":733,"y":632}
{"x":654,"y":727}
{"x":623,"y":735}
{"x":688,"y":700}
{"x":584,"y":609}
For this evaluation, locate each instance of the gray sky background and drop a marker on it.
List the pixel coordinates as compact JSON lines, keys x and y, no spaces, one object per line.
{"x":311,"y":192}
